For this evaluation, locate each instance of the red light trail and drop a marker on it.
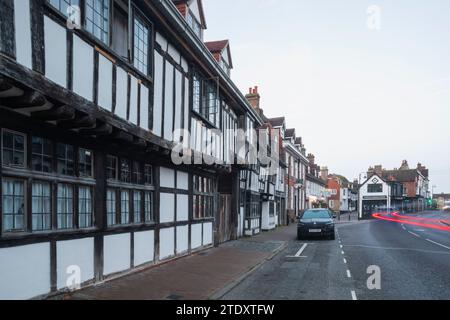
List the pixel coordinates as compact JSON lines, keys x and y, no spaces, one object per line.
{"x":395,"y":217}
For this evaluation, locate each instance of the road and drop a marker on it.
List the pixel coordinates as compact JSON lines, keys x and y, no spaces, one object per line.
{"x":414,"y":263}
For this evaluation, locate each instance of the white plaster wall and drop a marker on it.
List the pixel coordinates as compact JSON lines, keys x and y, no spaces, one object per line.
{"x":182,"y":180}
{"x":167,"y":207}
{"x":24,"y":271}
{"x":83,"y":68}
{"x":161,"y":41}
{"x":178,"y":103}
{"x":105,"y":77}
{"x":158,"y":95}
{"x":55,"y":40}
{"x":144,"y":110}
{"x":166,"y":243}
{"x":78,"y":253}
{"x":207,"y":233}
{"x":22,"y":24}
{"x":174,"y":53}
{"x":121,"y":93}
{"x":186,"y":141}
{"x":196,"y":236}
{"x":182,"y":207}
{"x":134,"y":101}
{"x":168,"y":102}
{"x":116,"y":253}
{"x":167,"y":178}
{"x":182,"y":239}
{"x":144,"y":247}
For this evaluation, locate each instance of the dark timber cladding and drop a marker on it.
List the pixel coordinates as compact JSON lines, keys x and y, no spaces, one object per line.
{"x":86,"y":178}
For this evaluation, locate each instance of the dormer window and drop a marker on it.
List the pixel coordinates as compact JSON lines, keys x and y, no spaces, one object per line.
{"x":195,"y":25}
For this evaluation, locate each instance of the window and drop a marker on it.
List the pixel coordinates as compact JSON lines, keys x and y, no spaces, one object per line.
{"x":375,"y":188}
{"x":13,"y":205}
{"x":111,"y":207}
{"x":41,"y":208}
{"x":97,"y":19}
{"x":194,"y":24}
{"x":84,"y":207}
{"x":63,"y":5}
{"x":141,"y":41}
{"x":203,"y":204}
{"x":125,"y":173}
{"x":148,"y":174}
{"x":13,"y":149}
{"x":111,"y":167}
{"x":253,"y":209}
{"x":137,"y":201}
{"x":85,"y":163}
{"x":120,"y":29}
{"x":124,"y":207}
{"x":65,"y":206}
{"x":197,"y":92}
{"x":210,"y":102}
{"x":148,"y":207}
{"x":41,"y":157}
{"x":272,"y":209}
{"x":65,"y":155}
{"x":137,"y":173}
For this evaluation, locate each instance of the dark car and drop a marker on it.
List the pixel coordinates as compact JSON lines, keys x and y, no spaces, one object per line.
{"x":316,"y":223}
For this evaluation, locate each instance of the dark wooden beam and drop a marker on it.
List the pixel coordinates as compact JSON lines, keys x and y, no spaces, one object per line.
{"x":138,"y":142}
{"x":103,"y":129}
{"x":123,"y":136}
{"x":29,"y":99}
{"x":84,"y":121}
{"x":56,"y":113}
{"x":5,"y":85}
{"x":7,"y":41}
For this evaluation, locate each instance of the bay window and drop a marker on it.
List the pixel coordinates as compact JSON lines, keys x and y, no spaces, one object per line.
{"x":65,"y":210}
{"x":41,"y":208}
{"x":111,"y":207}
{"x":13,"y":149}
{"x":141,"y":45}
{"x":13,"y":205}
{"x":97,"y":13}
{"x":41,"y":157}
{"x":85,"y":207}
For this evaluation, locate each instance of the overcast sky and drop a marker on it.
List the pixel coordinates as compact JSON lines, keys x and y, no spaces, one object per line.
{"x":359,"y":96}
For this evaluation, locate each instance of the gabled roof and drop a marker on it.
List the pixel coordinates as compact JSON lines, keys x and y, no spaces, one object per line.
{"x":277,"y":122}
{"x":289,"y":133}
{"x":299,"y":141}
{"x":401,"y":175}
{"x":371,"y":177}
{"x":218,"y":47}
{"x":200,"y":9}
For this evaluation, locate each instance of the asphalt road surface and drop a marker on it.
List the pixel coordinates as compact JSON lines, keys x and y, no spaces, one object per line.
{"x":413,"y":263}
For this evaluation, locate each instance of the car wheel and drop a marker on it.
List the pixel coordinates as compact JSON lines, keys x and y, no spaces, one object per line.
{"x":333,"y":237}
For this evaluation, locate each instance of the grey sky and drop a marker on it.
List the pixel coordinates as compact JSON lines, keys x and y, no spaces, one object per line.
{"x":359,"y":97}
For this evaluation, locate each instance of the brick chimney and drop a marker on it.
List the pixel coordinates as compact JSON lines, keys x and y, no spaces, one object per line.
{"x":378,"y":170}
{"x":324,"y":173}
{"x":253,"y":97}
{"x":311,"y":158}
{"x":405,"y":165}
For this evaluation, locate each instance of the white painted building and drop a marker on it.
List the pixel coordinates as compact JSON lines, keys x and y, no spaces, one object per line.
{"x":374,"y":196}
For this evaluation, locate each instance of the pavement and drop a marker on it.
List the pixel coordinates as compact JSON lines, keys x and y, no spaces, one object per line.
{"x":201,"y":276}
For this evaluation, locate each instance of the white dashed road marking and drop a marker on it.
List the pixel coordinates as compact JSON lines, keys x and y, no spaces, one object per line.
{"x":345,"y":261}
{"x":414,"y":234}
{"x":354,"y":296}
{"x":349,"y":275}
{"x":299,"y":253}
{"x":436,"y":243}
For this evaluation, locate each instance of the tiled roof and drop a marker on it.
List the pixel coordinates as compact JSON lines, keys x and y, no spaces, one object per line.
{"x":290,"y":133}
{"x":277,"y":122}
{"x":400,"y":175}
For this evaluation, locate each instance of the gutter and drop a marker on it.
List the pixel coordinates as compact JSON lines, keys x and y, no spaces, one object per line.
{"x":170,"y":11}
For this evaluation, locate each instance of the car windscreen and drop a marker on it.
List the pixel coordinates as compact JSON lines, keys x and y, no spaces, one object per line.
{"x":318,"y":214}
